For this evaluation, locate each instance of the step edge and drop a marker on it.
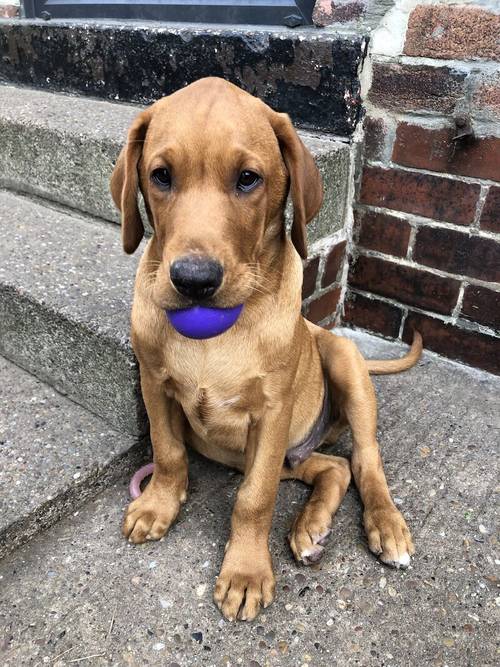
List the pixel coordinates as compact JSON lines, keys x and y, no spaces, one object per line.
{"x":25,"y":528}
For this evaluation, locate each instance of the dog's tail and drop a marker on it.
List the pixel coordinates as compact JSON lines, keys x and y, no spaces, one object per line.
{"x":387,"y":366}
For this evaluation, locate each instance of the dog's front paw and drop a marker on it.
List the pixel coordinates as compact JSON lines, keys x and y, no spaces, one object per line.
{"x":150,"y":516}
{"x":245,"y":583}
{"x":388,"y":536}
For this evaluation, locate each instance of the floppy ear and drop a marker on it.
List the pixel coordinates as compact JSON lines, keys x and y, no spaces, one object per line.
{"x":124,"y":183}
{"x":305,"y":180}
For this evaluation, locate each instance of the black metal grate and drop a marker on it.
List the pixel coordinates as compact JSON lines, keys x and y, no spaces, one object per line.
{"x":291,"y":13}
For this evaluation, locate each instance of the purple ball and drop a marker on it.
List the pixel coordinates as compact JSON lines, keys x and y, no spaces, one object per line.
{"x":202,"y":322}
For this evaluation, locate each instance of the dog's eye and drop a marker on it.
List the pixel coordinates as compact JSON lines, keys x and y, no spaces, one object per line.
{"x":247,"y":181}
{"x":161,"y":178}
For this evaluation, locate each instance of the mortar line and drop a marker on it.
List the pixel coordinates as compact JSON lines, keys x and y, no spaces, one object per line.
{"x":480,"y":205}
{"x":403,"y":322}
{"x":463,"y":324}
{"x":460,"y":66}
{"x":355,"y":161}
{"x":411,"y":243}
{"x":401,"y":261}
{"x":458,"y":306}
{"x":469,"y":180}
{"x":429,"y":120}
{"x":421,"y":221}
{"x":323,"y":253}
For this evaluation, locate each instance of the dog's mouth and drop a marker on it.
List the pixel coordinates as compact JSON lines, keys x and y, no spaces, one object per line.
{"x":216,"y":302}
{"x":224,"y":299}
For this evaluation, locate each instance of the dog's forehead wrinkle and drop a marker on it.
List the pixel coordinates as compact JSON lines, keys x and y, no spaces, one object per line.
{"x":221,"y":120}
{"x":168,"y":152}
{"x":211,"y":91}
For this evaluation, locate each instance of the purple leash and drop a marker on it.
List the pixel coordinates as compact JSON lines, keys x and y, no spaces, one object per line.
{"x":135,"y":483}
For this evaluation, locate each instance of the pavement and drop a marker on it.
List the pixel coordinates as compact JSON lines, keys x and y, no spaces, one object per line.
{"x":54,"y":456}
{"x":79,"y":594}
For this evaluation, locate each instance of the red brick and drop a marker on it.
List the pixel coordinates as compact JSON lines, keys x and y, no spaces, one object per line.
{"x":473,"y":348}
{"x":324,"y":306}
{"x":453,"y":31}
{"x":310,"y":275}
{"x":458,"y":252}
{"x":374,"y":139}
{"x":435,"y":150}
{"x":482,"y":305}
{"x":490,"y":216}
{"x":9,"y":11}
{"x":405,"y":284}
{"x":416,"y":87}
{"x":373,"y":314}
{"x":486,"y":95}
{"x":334,"y":264}
{"x":385,"y":233}
{"x":423,"y":194}
{"x":341,"y":11}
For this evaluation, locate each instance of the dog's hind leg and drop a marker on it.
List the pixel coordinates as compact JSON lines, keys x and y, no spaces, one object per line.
{"x":330,"y":477}
{"x":386,"y":530}
{"x":336,"y":430}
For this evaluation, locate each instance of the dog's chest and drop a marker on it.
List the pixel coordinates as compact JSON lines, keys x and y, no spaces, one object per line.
{"x":219,"y":398}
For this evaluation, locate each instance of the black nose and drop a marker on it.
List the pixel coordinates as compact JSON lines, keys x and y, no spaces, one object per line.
{"x":196,"y":277}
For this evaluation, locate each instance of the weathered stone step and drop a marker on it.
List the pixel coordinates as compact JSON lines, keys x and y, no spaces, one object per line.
{"x":65,"y":298}
{"x":54,"y":456}
{"x":311,"y":74}
{"x":63,"y":148}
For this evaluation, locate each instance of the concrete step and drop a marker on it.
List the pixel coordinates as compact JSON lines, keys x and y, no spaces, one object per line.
{"x":311,"y":74}
{"x":63,"y":148}
{"x":65,"y":298}
{"x":54,"y":456}
{"x":81,"y":590}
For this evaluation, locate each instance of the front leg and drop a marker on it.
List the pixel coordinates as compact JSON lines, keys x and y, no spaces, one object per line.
{"x":150,"y":516}
{"x":246,"y":580}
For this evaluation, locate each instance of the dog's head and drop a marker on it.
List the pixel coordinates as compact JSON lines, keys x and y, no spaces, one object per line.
{"x":214,"y":166}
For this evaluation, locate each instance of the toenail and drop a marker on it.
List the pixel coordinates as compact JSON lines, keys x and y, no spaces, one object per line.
{"x":323,"y":540}
{"x":311,"y":555}
{"x":405,"y":560}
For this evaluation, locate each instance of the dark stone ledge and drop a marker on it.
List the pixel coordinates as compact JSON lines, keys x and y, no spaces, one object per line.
{"x":310,"y":74}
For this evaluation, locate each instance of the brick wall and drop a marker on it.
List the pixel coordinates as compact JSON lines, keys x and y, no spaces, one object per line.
{"x":327,"y":12}
{"x":426,"y":236}
{"x":325,"y":275}
{"x":350,"y":13}
{"x":9,"y":10}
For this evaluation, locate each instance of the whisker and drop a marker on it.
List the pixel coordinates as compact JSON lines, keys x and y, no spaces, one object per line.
{"x":149,"y":280}
{"x":258,"y":287}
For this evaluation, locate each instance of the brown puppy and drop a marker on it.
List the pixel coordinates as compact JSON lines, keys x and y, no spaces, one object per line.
{"x":214,"y":165}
